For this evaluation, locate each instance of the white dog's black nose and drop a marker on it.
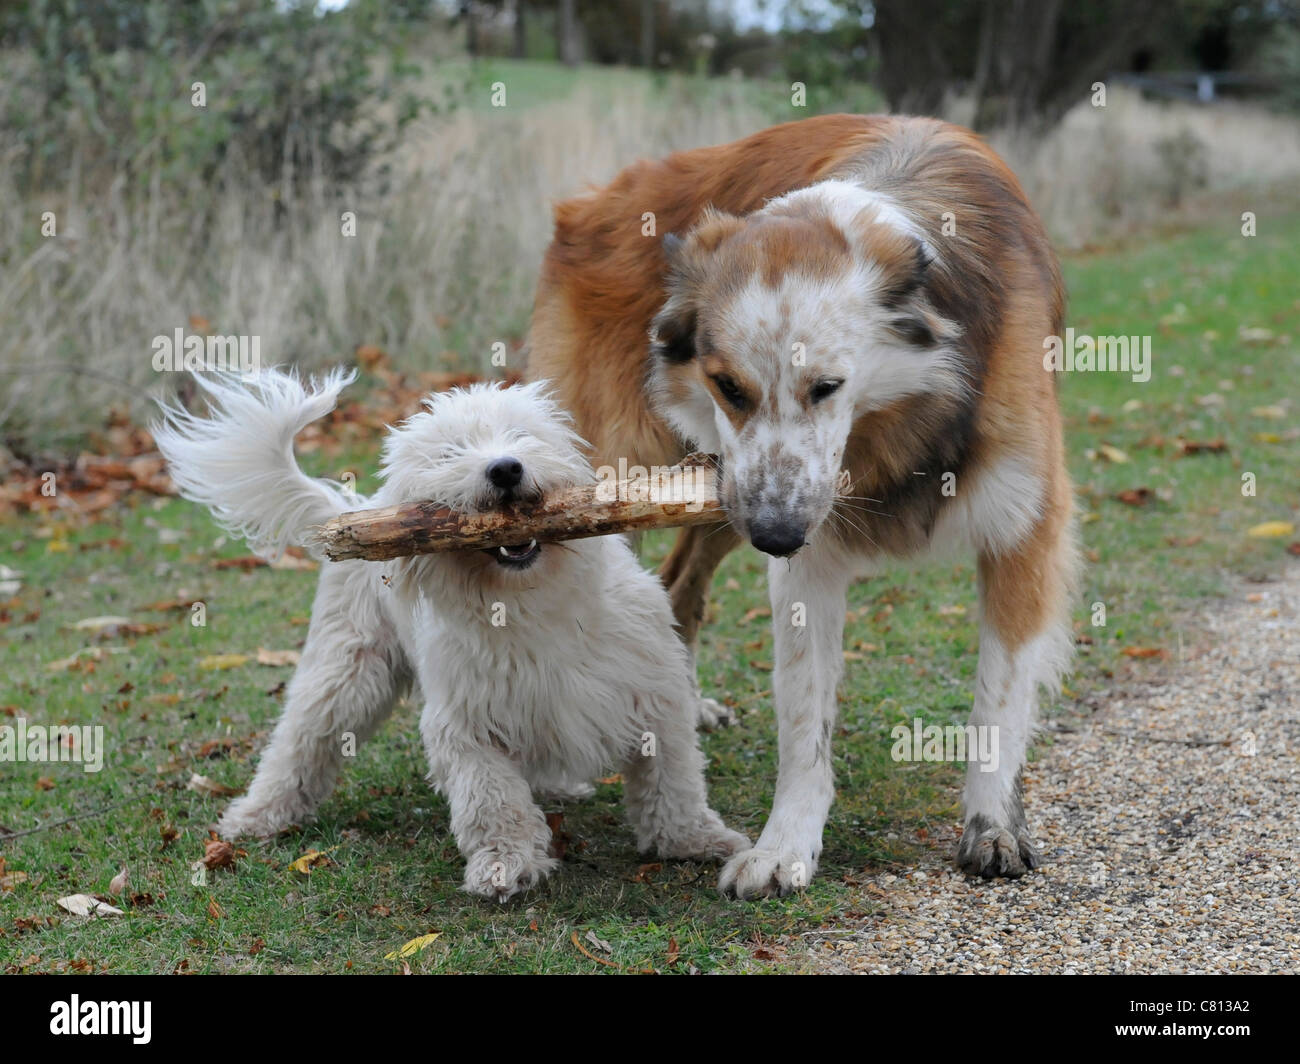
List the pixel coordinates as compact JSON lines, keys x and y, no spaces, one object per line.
{"x":506,"y":473}
{"x":777,"y":536}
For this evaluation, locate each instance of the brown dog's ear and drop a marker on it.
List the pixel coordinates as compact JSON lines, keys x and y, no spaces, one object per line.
{"x":687,"y":257}
{"x":712,"y":228}
{"x":922,"y":327}
{"x":904,"y":262}
{"x":902,"y":258}
{"x":672,"y":333}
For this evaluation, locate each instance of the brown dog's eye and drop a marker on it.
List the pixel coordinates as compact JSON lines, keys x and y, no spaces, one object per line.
{"x":825,"y":388}
{"x":730,"y":391}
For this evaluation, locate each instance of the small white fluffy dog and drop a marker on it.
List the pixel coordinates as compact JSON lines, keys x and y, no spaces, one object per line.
{"x":540,"y":665}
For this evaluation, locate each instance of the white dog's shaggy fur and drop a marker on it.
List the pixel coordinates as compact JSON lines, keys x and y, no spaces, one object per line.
{"x":539,"y":666}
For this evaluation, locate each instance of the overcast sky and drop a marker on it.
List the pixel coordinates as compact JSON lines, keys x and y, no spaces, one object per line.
{"x":770,"y":14}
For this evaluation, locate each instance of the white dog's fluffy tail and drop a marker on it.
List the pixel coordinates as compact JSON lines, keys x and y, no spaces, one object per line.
{"x":239,"y":462}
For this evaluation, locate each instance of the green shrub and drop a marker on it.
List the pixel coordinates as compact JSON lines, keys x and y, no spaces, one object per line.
{"x":112,"y":87}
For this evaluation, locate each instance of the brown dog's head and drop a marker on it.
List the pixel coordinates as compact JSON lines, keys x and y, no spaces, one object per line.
{"x":779,"y":330}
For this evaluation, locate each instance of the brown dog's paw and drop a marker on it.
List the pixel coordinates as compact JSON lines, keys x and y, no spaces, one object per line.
{"x":987,"y":850}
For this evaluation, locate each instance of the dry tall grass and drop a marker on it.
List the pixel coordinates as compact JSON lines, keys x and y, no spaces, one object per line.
{"x":1108,"y":172}
{"x":444,"y":261}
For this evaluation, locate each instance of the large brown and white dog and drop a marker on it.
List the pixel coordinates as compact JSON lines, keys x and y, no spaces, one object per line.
{"x":860,"y":294}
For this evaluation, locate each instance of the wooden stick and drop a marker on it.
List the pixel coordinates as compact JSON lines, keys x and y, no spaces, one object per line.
{"x":666,"y":497}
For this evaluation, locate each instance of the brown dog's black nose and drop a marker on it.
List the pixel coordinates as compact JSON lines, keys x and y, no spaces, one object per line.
{"x":506,"y":473}
{"x":777,"y":536}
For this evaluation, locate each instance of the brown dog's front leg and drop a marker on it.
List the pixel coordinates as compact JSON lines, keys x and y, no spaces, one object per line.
{"x":687,"y":572}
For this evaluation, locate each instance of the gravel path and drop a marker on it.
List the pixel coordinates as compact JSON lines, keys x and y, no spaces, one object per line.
{"x":1169,"y":848}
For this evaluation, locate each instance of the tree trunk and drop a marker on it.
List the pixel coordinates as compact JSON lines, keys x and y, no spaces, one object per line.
{"x":471,"y":28}
{"x":913,"y":71}
{"x":521,"y":30}
{"x":983,"y":62}
{"x":648,"y":34}
{"x":567,"y":30}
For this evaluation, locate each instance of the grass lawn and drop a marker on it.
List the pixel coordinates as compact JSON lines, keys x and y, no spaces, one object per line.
{"x":529,"y":83}
{"x":394,"y":871}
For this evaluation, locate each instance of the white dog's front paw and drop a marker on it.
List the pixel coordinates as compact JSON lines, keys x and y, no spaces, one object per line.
{"x":764,"y":873}
{"x":246,"y":817}
{"x":711,"y":840}
{"x":711,"y":714}
{"x":500,"y":874}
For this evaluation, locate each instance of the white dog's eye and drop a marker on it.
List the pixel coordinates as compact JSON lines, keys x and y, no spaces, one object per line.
{"x":825,"y":388}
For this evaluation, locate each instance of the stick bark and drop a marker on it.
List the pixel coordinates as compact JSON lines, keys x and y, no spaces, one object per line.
{"x":685,"y":494}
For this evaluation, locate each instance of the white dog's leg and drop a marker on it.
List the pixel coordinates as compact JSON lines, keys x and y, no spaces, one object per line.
{"x":346,"y":684}
{"x":664,"y":790}
{"x":499,"y":828}
{"x":808,"y":600}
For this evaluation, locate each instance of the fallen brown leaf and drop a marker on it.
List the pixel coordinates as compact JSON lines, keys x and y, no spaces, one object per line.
{"x":1190,"y":447}
{"x":87,"y":905}
{"x":245,"y":562}
{"x":560,"y":838}
{"x":208,"y":786}
{"x":214,"y":748}
{"x":1135,"y":496}
{"x":218,"y":853}
{"x":371,"y":357}
{"x":1145,"y":652}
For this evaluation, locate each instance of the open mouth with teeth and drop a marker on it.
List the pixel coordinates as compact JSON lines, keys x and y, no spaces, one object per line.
{"x":518,"y":556}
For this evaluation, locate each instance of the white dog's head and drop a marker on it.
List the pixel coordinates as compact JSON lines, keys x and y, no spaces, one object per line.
{"x":781,"y":329}
{"x":481,"y":448}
